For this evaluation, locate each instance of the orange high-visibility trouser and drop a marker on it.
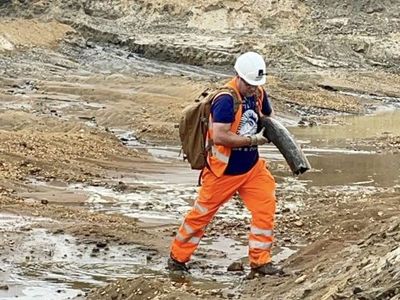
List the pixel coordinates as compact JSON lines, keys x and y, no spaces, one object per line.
{"x":256,"y":188}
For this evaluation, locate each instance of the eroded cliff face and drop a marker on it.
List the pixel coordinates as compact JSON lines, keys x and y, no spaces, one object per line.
{"x":292,"y":34}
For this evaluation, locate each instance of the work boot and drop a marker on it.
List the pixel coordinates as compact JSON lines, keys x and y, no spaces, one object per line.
{"x":266,"y":269}
{"x":176,"y":266}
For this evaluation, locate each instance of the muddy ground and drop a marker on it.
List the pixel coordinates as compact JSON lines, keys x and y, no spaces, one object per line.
{"x":92,"y":188}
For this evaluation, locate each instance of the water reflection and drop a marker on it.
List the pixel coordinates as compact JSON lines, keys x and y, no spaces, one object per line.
{"x":345,"y":169}
{"x":355,"y":127}
{"x":334,"y":167}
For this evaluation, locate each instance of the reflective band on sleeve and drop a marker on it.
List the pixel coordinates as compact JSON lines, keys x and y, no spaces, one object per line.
{"x":218,"y":155}
{"x":259,"y":231}
{"x":187,"y":228}
{"x":200,"y":208}
{"x":194,"y":240}
{"x":259,"y":245}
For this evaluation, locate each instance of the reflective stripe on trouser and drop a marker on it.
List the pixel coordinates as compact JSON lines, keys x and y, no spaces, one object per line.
{"x":256,"y":188}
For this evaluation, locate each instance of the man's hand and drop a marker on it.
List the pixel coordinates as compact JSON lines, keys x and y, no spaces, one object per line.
{"x":258,"y":139}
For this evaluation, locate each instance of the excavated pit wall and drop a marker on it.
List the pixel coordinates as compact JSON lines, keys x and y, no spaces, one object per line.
{"x":291,"y":34}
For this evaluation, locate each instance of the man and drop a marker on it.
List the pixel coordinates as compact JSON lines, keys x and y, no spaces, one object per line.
{"x":234,"y":166}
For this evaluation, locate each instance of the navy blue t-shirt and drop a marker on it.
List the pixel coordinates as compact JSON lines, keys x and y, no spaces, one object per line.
{"x":242,"y":159}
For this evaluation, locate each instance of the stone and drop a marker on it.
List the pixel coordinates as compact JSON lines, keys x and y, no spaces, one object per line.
{"x":236,"y":266}
{"x":301,"y":279}
{"x":299,"y":223}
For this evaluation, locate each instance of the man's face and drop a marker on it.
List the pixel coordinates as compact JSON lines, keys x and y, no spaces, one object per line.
{"x":245,"y":89}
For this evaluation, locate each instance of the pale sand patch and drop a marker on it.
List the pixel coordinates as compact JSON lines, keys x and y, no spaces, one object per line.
{"x":31,"y":33}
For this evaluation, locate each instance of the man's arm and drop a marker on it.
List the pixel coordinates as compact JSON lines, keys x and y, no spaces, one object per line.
{"x":222,"y":109}
{"x":222,"y":135}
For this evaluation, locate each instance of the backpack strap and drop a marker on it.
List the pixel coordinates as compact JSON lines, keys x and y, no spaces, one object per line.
{"x":237,"y":101}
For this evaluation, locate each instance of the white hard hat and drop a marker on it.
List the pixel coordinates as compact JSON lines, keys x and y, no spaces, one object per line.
{"x":250,"y":66}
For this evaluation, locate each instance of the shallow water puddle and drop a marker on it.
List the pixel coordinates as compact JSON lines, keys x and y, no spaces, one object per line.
{"x":356,"y":169}
{"x":165,"y":204}
{"x":157,"y":201}
{"x":44,"y":265}
{"x":339,"y":136}
{"x":47,"y":265}
{"x":328,"y":148}
{"x":347,"y":166}
{"x":151,"y":200}
{"x":215,"y":255}
{"x":13,"y":223}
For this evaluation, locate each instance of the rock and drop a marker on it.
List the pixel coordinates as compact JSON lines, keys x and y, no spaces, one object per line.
{"x":301,"y":279}
{"x":299,"y":223}
{"x":101,"y":244}
{"x":236,"y":266}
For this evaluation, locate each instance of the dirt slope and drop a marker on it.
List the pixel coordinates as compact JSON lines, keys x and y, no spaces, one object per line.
{"x":292,"y":34}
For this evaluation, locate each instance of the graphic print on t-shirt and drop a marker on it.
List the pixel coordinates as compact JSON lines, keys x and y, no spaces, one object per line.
{"x":249,"y":120}
{"x":248,"y":123}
